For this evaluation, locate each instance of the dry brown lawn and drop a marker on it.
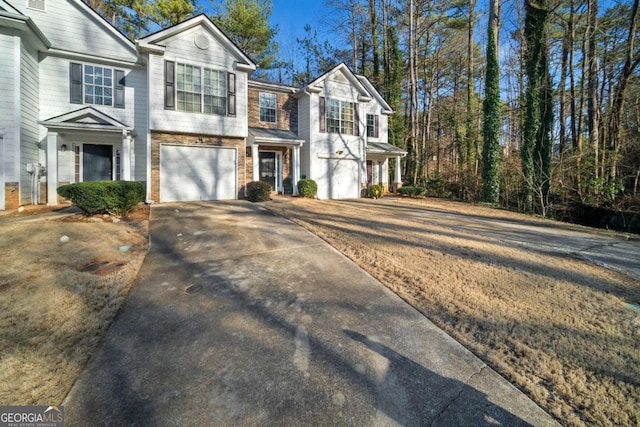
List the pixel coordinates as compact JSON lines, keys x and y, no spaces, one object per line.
{"x":53,"y":314}
{"x":555,"y":326}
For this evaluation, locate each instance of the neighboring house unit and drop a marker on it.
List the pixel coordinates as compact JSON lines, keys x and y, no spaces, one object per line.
{"x":176,"y":110}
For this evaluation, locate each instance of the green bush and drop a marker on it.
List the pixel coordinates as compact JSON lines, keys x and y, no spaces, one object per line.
{"x":113,"y":197}
{"x":375,"y":191}
{"x":307,"y":188}
{"x":258,"y":191}
{"x":411,"y":191}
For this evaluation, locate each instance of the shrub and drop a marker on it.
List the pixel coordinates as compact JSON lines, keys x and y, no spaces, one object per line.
{"x":113,"y":197}
{"x":258,"y":191}
{"x":307,"y":188}
{"x":375,"y":191}
{"x":411,"y":191}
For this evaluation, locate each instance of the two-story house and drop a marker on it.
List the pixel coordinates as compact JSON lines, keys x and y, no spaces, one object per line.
{"x":176,"y":110}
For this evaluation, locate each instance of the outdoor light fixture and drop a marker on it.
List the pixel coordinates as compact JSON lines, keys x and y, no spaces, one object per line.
{"x":63,"y":147}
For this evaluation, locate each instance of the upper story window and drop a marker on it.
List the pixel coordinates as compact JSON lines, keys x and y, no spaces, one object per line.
{"x":338,"y":117}
{"x":195,"y":89}
{"x":36,"y":4}
{"x":372,"y":125}
{"x":92,"y":84}
{"x":268,"y":107}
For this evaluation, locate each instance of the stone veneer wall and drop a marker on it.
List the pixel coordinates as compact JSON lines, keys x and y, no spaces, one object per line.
{"x":11,"y":195}
{"x":158,"y":138}
{"x":286,"y":161}
{"x":286,"y":114}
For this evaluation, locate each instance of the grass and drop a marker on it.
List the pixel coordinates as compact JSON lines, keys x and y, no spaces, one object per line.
{"x":52,"y":315}
{"x":555,"y":326}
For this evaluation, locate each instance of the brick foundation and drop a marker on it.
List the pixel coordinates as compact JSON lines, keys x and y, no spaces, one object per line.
{"x":11,"y":195}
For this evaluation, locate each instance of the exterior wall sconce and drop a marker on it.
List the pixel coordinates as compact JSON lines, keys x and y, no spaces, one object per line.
{"x":63,"y":147}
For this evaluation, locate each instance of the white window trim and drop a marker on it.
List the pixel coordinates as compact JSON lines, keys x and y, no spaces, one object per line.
{"x":202,"y":66}
{"x":340,"y":121}
{"x":84,"y":84}
{"x":44,"y":9}
{"x":275,"y":108}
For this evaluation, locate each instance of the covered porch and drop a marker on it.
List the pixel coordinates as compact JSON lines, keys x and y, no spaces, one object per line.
{"x":85,"y":145}
{"x":378,"y":157}
{"x":274,"y":158}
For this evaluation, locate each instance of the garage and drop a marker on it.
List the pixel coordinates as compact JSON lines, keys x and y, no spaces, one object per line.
{"x":192,"y":173}
{"x":339,"y":179}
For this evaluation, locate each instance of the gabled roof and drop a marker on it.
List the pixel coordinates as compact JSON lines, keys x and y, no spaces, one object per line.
{"x":112,"y":29}
{"x":154,"y":42}
{"x":11,"y":17}
{"x":5,"y":6}
{"x":317,"y":85}
{"x":87,"y":118}
{"x":386,"y":109}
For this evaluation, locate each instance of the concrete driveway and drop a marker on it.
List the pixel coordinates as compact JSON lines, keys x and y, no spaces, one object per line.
{"x":614,"y":250}
{"x":239,"y":317}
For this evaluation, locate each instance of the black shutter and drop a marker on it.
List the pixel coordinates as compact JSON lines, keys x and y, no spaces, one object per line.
{"x":231,"y":94}
{"x":119,"y":89}
{"x":322,"y":117}
{"x":356,"y":120}
{"x":169,"y":85}
{"x":75,"y":78}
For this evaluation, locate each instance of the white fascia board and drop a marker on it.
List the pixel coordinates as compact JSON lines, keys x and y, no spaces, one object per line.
{"x":79,"y":56}
{"x":25,"y":24}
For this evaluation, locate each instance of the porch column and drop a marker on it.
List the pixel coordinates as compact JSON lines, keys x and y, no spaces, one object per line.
{"x":255,"y":157}
{"x":126,"y":156}
{"x":52,"y":168}
{"x":296,"y":169}
{"x":397,"y":182}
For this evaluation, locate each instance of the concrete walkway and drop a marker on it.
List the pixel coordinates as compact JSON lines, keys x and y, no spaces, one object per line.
{"x":239,"y":317}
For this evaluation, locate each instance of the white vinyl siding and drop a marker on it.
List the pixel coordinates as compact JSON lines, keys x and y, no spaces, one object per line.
{"x":73,"y":27}
{"x":8,"y":107}
{"x":182,"y":49}
{"x":29,"y":132}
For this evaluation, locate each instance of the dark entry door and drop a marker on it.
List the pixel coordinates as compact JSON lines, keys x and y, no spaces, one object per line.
{"x":268,"y":172}
{"x":97,"y":162}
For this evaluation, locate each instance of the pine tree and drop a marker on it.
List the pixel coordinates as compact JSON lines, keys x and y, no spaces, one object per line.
{"x":246,"y":22}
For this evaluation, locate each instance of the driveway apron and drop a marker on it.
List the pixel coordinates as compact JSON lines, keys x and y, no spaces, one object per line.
{"x":240,"y":317}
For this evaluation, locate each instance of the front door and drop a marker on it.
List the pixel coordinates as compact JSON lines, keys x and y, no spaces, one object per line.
{"x":97,"y":162}
{"x":268,"y":169}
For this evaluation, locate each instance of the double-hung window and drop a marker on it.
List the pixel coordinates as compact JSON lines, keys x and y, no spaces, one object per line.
{"x":372,"y":125}
{"x":189,"y":88}
{"x":340,"y":117}
{"x":195,"y":89}
{"x":267,"y":107}
{"x":93,"y":84}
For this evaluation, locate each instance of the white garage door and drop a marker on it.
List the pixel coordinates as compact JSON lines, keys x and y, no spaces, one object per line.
{"x":197,"y":173}
{"x":339,"y":179}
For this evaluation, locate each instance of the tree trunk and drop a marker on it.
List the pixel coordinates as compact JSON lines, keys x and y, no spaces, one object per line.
{"x":492,"y":113}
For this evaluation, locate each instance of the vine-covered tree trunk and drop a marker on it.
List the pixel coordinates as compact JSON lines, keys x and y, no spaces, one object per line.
{"x":492,"y":113}
{"x":536,"y":150}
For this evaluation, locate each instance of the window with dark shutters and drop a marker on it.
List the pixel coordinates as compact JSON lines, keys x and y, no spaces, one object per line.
{"x":118,"y":101}
{"x":322,"y":119}
{"x":231,"y":94}
{"x":75,"y":76}
{"x":169,"y":85}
